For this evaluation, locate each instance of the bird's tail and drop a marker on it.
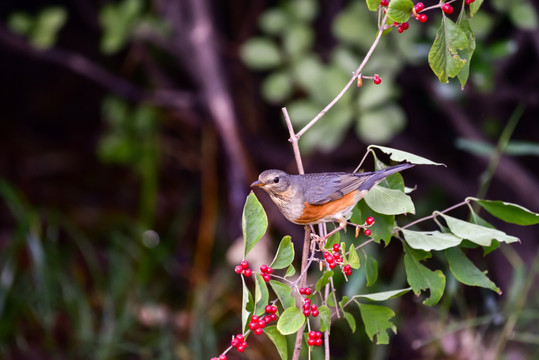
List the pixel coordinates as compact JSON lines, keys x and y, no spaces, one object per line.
{"x":377,"y":176}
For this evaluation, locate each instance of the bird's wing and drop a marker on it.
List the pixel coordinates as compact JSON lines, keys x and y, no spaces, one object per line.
{"x":323,"y":188}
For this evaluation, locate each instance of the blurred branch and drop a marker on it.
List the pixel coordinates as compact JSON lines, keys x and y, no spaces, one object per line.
{"x":92,"y":71}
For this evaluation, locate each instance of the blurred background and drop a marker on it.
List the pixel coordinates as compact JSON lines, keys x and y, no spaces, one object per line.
{"x":132,"y":129}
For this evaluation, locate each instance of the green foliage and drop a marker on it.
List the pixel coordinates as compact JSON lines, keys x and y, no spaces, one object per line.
{"x":254,"y":222}
{"x":42,"y":29}
{"x":285,"y":254}
{"x":118,"y":20}
{"x":466,"y":272}
{"x":278,"y":340}
{"x":290,"y":321}
{"x":400,"y":10}
{"x":421,"y":278}
{"x":376,"y":319}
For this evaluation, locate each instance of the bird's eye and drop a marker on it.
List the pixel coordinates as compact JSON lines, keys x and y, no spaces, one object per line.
{"x":276,"y":180}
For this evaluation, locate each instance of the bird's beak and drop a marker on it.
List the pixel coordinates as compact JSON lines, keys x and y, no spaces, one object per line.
{"x":257,"y":184}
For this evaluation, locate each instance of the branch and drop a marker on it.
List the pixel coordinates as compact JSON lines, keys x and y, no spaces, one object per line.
{"x":88,"y":69}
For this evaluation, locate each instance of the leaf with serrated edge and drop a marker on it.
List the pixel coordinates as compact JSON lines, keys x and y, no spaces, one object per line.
{"x":430,"y":240}
{"x":466,"y":272}
{"x":278,"y":339}
{"x":476,"y":233}
{"x":377,"y":322}
{"x":254,"y":222}
{"x":388,"y":201}
{"x":384,"y":295}
{"x":283,"y":293}
{"x":284,"y":255}
{"x":399,"y":155}
{"x":421,"y":278}
{"x":290,"y":321}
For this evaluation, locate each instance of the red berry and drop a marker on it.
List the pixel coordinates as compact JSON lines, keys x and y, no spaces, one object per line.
{"x":235,"y":342}
{"x":259,"y":331}
{"x":318,"y":342}
{"x":468,"y":2}
{"x":346,"y":268}
{"x":253,"y":325}
{"x":311,"y":342}
{"x":307,"y":291}
{"x":312,"y":334}
{"x":269,"y":270}
{"x":302,"y":291}
{"x":240,"y":338}
{"x":314,"y":307}
{"x":264,"y":268}
{"x":273,"y":317}
{"x":369,"y":220}
{"x":384,"y":2}
{"x":306,"y":312}
{"x":244,"y":264}
{"x":348,"y":273}
{"x":222,"y":357}
{"x":266,"y":277}
{"x":448,"y":9}
{"x":326,"y":254}
{"x":318,"y":335}
{"x":268,"y":309}
{"x":261,"y":323}
{"x":400,"y":29}
{"x":214,"y":358}
{"x":306,"y":306}
{"x":238,"y":269}
{"x":377,"y":79}
{"x":336,"y":247}
{"x":308,"y":301}
{"x":404,"y":26}
{"x":240,"y":348}
{"x":330,"y":259}
{"x":332,"y":265}
{"x":419,"y":7}
{"x":314,"y":313}
{"x":368,"y":232}
{"x":247,"y":272}
{"x":255,"y":318}
{"x":422,"y":18}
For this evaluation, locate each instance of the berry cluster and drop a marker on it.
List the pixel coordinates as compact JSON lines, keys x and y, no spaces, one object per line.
{"x":401,"y":27}
{"x":305,"y":291}
{"x":309,"y":309}
{"x":334,"y":259}
{"x":239,"y":343}
{"x":243,"y":267}
{"x":266,"y":271}
{"x":417,"y":9}
{"x":221,"y":357}
{"x":315,"y":338}
{"x":347,"y":270}
{"x":368,"y":222}
{"x":448,"y":9}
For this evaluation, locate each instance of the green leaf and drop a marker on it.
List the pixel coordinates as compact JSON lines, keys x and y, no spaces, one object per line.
{"x":421,"y":278}
{"x":260,"y":53}
{"x":399,"y":156}
{"x":247,"y":305}
{"x":523,"y":15}
{"x":324,"y":280}
{"x":47,"y":25}
{"x":273,"y":21}
{"x":355,"y":26}
{"x":400,"y":10}
{"x":290,"y":321}
{"x":384,"y":295}
{"x":430,"y":240}
{"x":285,"y":254}
{"x":261,"y":295}
{"x":373,"y":4}
{"x":474,"y":7}
{"x":20,"y":23}
{"x":382,"y":229}
{"x":371,"y":269}
{"x":353,"y":258}
{"x":277,"y":87}
{"x":381,"y":124}
{"x":446,"y":57}
{"x":350,"y":320}
{"x":377,"y":322}
{"x":283,"y":293}
{"x":278,"y":340}
{"x":325,"y":318}
{"x":297,"y":39}
{"x":254,"y":223}
{"x":466,"y":53}
{"x":466,"y":272}
{"x":476,"y":233}
{"x":304,"y":10}
{"x":388,"y":201}
{"x":290,"y":271}
{"x":508,"y":212}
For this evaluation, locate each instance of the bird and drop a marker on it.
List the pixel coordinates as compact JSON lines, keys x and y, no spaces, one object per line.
{"x":309,"y":199}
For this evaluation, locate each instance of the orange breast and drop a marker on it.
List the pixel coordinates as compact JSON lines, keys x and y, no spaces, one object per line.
{"x":314,"y":213}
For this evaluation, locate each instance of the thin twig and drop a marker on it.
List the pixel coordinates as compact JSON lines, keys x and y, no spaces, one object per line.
{"x":432,"y":216}
{"x":294,"y":140}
